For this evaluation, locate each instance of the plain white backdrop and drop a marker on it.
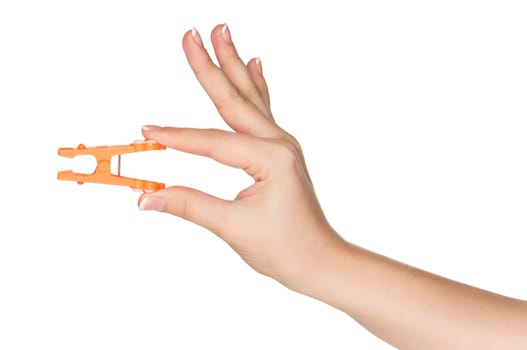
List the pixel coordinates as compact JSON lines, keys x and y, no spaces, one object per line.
{"x":412,"y":116}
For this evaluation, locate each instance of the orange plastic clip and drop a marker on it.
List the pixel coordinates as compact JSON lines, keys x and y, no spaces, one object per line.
{"x":103,"y":174}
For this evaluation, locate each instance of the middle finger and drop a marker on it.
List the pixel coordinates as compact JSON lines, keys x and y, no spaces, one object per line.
{"x":234,"y":68}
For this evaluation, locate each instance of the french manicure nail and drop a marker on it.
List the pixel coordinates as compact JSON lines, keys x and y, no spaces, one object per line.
{"x":197,"y":37}
{"x":226,"y":33}
{"x":152,"y":203}
{"x":150,"y":127}
{"x":259,"y":65}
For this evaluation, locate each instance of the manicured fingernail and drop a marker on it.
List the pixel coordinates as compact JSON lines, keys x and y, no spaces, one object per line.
{"x":197,"y":37}
{"x":150,"y":127}
{"x":259,"y":65}
{"x":152,"y":203}
{"x":226,"y":33}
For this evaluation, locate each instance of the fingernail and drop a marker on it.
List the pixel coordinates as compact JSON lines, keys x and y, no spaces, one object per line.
{"x":226,"y":34}
{"x":152,"y":203}
{"x":197,"y":37}
{"x":259,"y":65}
{"x":150,"y":127}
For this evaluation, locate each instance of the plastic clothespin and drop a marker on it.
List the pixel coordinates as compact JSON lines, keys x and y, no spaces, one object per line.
{"x":103,"y":174}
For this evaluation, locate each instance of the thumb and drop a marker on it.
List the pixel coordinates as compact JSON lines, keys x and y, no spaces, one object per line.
{"x":190,"y":204}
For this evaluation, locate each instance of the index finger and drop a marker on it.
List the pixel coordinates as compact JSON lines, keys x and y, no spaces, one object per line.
{"x":229,"y":148}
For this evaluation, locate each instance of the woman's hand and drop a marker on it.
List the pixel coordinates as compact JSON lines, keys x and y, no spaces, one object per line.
{"x":278,"y":228}
{"x":276,"y":224}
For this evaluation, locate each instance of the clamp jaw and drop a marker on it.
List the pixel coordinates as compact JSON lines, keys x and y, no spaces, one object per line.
{"x":102,"y":173}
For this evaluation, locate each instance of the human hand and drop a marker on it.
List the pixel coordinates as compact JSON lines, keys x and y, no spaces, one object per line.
{"x":279,"y":229}
{"x":276,"y":225}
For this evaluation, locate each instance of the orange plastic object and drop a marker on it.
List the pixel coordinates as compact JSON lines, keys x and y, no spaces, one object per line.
{"x":103,"y":174}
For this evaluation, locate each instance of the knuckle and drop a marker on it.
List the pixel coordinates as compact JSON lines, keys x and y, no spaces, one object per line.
{"x":213,"y":132}
{"x":212,"y":139}
{"x":286,"y":153}
{"x":222,"y":107}
{"x":203,"y":71}
{"x":186,"y":209}
{"x":230,"y":63}
{"x":294,"y":142}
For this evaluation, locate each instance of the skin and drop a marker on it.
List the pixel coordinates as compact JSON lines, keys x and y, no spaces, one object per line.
{"x":293,"y":242}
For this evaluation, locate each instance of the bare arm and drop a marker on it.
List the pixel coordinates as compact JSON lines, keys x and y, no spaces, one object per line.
{"x":413,"y":309}
{"x":278,"y":227}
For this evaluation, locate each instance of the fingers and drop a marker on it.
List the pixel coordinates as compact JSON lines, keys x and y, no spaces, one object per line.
{"x":254,"y":67}
{"x":236,"y":150}
{"x":192,"y":205}
{"x":237,"y":111}
{"x":234,"y":68}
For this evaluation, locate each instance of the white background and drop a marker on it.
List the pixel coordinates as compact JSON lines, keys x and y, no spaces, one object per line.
{"x":412,"y":116}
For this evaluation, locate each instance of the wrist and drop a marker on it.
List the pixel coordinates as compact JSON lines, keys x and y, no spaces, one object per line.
{"x":318,"y":273}
{"x":337,"y":276}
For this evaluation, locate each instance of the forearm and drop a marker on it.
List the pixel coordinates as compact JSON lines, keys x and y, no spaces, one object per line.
{"x":413,"y":309}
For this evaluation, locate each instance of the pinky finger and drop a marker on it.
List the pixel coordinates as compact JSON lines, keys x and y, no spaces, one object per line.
{"x":254,"y":66}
